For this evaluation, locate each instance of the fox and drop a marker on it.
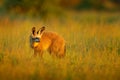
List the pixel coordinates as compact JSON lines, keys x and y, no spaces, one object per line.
{"x":43,"y":40}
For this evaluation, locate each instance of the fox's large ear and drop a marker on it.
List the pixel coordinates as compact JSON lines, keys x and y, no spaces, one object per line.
{"x":33,"y":30}
{"x":40,"y":31}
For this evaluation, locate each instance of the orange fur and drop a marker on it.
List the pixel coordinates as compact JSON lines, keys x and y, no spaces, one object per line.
{"x":51,"y":42}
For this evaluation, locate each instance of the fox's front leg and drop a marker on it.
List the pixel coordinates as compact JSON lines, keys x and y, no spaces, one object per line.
{"x":40,"y":54}
{"x":35,"y":53}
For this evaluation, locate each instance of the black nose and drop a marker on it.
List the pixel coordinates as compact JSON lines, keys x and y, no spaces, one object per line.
{"x":36,"y":39}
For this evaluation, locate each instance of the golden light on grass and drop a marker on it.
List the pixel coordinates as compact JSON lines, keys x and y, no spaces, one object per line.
{"x":93,"y":49}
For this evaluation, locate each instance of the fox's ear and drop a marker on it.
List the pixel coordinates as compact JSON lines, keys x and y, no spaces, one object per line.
{"x":40,"y":31}
{"x":33,"y":30}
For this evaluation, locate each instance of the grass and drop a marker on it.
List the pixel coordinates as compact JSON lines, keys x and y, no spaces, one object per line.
{"x":93,"y":48}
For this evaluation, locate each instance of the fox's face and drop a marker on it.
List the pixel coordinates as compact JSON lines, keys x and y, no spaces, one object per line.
{"x":36,"y":36}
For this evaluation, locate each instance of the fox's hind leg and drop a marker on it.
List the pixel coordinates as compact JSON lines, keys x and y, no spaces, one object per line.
{"x":62,"y":51}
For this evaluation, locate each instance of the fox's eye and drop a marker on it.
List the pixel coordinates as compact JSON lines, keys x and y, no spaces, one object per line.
{"x":36,"y":39}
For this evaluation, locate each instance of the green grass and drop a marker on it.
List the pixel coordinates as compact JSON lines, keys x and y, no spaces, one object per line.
{"x":93,"y":48}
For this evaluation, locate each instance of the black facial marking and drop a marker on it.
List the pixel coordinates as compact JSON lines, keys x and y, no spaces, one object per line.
{"x":36,"y":39}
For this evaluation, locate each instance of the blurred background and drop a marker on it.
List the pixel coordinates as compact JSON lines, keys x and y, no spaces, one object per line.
{"x":46,"y":8}
{"x":91,"y":29}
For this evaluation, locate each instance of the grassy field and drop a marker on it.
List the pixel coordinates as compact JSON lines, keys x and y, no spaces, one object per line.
{"x":93,"y":48}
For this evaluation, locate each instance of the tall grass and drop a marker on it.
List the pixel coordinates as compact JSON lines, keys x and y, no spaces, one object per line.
{"x":93,"y":48}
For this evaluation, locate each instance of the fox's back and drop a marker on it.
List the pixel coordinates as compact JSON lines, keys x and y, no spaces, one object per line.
{"x":49,"y":38}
